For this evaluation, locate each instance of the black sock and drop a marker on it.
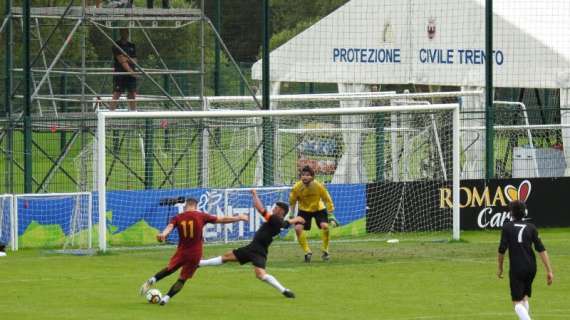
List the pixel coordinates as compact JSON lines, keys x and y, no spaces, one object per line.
{"x":163,"y":273}
{"x":176,"y":287}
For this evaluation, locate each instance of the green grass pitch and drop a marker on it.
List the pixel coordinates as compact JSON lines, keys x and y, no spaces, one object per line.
{"x":365,"y":280}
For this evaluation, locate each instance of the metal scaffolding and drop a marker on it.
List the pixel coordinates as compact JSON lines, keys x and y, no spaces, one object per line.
{"x":39,"y":90}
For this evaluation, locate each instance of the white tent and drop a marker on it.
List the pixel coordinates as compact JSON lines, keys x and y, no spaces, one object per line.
{"x":436,"y":42}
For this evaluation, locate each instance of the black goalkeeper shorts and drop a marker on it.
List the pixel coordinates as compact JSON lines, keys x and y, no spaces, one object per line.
{"x":319,"y":216}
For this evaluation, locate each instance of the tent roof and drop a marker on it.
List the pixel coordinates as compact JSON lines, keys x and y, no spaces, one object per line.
{"x":388,"y":42}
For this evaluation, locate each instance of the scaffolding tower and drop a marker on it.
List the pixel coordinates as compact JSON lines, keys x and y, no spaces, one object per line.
{"x":32,"y":85}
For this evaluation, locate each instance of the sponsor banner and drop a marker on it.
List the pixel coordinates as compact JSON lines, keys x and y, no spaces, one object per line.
{"x":127,"y":208}
{"x":133,"y":213}
{"x":422,"y":206}
{"x":406,"y":207}
{"x":484,"y":204}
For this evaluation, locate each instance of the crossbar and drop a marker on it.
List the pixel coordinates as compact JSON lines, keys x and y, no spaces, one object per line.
{"x":51,"y":195}
{"x":256,"y":188}
{"x":275,"y":113}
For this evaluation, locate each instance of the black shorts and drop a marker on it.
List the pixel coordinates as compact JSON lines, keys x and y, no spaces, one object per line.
{"x":521,"y":285}
{"x":249,"y":254}
{"x":320,"y":217}
{"x":124,"y":83}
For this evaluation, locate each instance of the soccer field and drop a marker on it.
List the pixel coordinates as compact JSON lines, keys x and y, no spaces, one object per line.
{"x":365,"y":280}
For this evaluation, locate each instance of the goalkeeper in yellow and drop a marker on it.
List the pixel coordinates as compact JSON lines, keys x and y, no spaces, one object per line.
{"x":314,"y":202}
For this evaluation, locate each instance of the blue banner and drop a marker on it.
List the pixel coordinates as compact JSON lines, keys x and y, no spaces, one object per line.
{"x":136,"y":216}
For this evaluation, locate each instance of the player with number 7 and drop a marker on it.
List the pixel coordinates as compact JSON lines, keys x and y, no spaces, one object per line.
{"x":518,"y":236}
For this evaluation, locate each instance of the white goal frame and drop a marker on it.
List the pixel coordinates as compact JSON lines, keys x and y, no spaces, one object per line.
{"x":89,"y":195}
{"x":11,"y":218}
{"x":102,"y":116}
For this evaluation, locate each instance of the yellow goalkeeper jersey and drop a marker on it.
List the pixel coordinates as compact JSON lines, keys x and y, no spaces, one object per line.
{"x":311,"y":198}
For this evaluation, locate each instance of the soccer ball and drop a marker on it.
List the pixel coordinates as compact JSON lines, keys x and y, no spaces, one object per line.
{"x":153,"y":296}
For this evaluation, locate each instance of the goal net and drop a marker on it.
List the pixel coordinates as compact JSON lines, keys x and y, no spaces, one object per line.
{"x":390,"y":170}
{"x":54,"y":220}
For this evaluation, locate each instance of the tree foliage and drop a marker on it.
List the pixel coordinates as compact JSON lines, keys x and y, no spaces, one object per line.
{"x":242,"y":22}
{"x":289,"y":14}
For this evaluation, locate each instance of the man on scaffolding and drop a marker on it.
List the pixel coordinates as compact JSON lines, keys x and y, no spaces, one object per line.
{"x":124,"y":62}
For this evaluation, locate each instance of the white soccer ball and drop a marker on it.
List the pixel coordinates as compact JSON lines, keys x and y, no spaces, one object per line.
{"x":153,"y":296}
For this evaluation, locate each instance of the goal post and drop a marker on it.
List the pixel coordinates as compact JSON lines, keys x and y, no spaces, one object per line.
{"x":456,"y":160}
{"x":354,"y":139}
{"x":6,"y":220}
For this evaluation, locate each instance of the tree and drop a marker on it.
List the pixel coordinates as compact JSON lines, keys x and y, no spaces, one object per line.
{"x":242,"y":22}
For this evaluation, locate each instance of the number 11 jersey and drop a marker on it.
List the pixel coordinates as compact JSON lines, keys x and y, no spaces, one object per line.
{"x":190,"y":225}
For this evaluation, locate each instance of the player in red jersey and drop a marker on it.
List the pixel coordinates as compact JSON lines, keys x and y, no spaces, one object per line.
{"x":187,"y":256}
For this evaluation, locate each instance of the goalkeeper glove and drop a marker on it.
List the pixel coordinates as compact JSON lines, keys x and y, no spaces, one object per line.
{"x":333,"y":221}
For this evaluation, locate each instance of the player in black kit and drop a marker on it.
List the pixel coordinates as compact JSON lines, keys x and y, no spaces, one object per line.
{"x":256,"y":251}
{"x":518,"y":236}
{"x":124,"y":59}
